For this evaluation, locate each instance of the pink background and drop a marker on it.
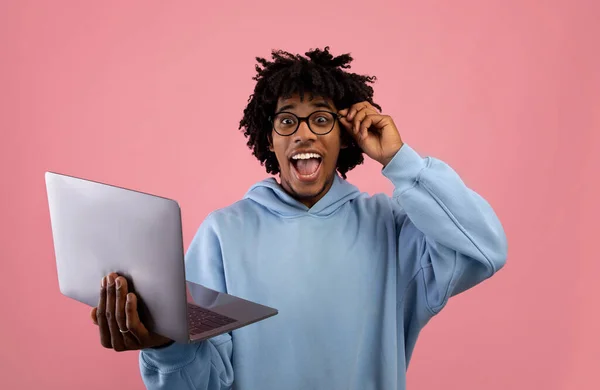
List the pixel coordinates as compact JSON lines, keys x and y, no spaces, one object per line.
{"x":149,"y":95}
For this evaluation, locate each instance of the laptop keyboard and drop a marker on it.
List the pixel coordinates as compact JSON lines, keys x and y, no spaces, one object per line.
{"x":201,"y":320}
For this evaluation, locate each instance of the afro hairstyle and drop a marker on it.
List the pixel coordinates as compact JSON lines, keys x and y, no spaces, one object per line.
{"x":318,"y":74}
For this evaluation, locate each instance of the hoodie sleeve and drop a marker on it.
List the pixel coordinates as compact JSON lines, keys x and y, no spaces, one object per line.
{"x":205,"y":365}
{"x":449,"y":238}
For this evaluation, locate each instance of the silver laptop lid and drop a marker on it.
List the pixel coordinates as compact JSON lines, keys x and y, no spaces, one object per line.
{"x":99,"y":228}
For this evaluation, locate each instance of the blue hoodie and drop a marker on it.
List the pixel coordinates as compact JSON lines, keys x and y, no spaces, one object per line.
{"x":355,"y":278}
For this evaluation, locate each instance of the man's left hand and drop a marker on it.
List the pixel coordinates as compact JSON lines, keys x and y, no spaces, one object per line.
{"x":376,"y":134}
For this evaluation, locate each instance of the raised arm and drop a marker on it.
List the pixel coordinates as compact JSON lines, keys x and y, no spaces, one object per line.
{"x":450,"y":237}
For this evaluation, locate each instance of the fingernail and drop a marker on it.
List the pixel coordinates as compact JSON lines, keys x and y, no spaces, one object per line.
{"x":118,"y":282}
{"x":109,"y":280}
{"x":129,"y":298}
{"x":103,"y":283}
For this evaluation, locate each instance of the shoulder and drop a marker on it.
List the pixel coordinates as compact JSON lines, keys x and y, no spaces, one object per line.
{"x":380,"y":208}
{"x":372,"y":203}
{"x":242,"y":212}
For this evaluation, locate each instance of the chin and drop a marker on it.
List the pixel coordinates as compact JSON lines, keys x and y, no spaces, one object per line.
{"x":309,"y":187}
{"x":307,"y":191}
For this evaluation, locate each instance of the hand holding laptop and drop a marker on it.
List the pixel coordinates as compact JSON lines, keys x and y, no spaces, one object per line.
{"x":118,"y":319}
{"x":135,"y":239}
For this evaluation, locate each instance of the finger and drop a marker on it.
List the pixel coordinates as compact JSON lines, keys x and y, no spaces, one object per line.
{"x":357,"y":107}
{"x":101,"y":317}
{"x":349,"y":125}
{"x":360,"y":116}
{"x":116,"y":338}
{"x":357,"y":119}
{"x":129,"y":340}
{"x":121,"y":297}
{"x":93,"y":315}
{"x":135,"y":326}
{"x":346,"y":123}
{"x":364,"y":126}
{"x":378,"y":121}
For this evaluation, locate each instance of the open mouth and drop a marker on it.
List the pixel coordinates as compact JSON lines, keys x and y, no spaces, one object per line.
{"x":306,"y":165}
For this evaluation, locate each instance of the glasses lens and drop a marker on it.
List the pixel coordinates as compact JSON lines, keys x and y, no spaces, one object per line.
{"x":285,"y":124}
{"x":321,"y":122}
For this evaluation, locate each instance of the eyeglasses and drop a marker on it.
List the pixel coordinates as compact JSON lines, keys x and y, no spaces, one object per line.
{"x":319,"y":122}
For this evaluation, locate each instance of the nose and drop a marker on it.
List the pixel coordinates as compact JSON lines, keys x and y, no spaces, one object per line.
{"x":303,"y":133}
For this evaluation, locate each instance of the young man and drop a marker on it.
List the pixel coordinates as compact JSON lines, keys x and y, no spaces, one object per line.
{"x":354,"y":277}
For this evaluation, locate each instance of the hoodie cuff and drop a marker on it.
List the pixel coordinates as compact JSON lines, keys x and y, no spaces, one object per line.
{"x":404,"y":169}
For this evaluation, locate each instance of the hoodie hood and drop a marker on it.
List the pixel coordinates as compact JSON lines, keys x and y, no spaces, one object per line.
{"x":271,"y":195}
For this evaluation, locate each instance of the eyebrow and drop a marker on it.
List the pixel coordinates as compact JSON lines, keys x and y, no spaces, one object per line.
{"x":319,"y":104}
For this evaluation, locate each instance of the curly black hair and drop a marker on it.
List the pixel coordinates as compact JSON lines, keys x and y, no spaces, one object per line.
{"x":318,"y":74}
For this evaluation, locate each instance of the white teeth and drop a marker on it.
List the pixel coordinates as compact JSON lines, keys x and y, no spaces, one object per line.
{"x":305,"y":156}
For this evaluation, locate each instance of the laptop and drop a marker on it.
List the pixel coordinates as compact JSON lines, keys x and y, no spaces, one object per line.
{"x":99,"y":228}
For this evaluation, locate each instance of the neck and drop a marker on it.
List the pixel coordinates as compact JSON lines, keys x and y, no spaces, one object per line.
{"x":311,"y":200}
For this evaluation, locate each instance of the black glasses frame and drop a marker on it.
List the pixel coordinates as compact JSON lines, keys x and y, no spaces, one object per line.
{"x":336,"y":117}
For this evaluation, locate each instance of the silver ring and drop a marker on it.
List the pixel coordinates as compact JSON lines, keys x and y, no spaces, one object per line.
{"x":124,"y":331}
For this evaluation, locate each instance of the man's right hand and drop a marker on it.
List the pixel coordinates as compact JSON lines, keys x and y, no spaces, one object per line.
{"x":118,"y":320}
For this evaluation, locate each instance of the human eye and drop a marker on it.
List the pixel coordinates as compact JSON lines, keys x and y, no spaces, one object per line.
{"x":322,"y":118}
{"x":286,"y":120}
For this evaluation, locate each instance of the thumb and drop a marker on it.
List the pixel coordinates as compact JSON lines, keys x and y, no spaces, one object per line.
{"x":349,"y":128}
{"x":93,"y":315}
{"x":346,"y":123}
